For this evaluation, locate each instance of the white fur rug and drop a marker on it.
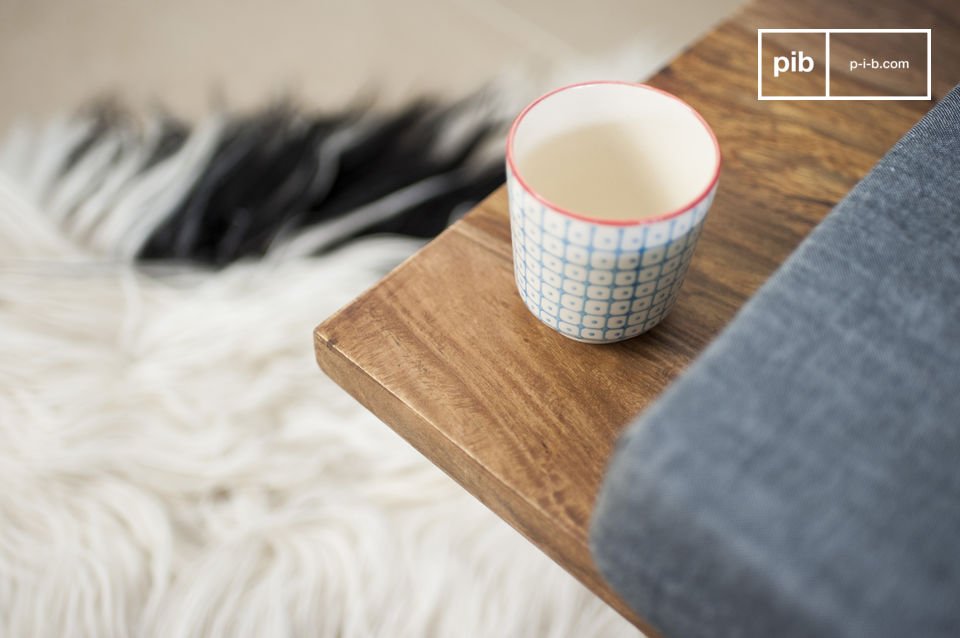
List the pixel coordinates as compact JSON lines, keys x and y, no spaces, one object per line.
{"x":174,"y":464}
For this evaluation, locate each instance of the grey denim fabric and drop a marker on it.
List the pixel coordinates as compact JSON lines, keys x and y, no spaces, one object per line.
{"x":803,"y":477}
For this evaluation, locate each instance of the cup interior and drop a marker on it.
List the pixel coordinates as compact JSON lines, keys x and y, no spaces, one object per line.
{"x":613,"y":152}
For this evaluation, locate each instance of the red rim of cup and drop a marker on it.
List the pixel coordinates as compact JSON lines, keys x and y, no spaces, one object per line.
{"x":609,"y":222}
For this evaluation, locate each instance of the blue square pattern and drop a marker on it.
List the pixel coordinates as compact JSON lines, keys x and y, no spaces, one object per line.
{"x":599,"y":283}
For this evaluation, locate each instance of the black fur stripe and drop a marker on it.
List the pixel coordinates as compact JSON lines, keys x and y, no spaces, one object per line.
{"x":278,"y":172}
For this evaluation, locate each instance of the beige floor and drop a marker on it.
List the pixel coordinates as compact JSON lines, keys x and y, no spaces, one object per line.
{"x":191,"y":54}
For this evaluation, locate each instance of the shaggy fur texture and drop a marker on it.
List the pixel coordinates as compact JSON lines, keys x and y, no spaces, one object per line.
{"x":243,"y":186}
{"x":173,"y":463}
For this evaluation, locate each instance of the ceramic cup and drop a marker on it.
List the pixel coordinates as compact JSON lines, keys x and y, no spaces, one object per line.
{"x":609,"y":184}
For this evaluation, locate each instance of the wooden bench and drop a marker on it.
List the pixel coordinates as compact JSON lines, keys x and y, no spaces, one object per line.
{"x":444,"y":351}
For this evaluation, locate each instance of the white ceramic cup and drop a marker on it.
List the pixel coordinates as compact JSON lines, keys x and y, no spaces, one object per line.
{"x":609,"y":184}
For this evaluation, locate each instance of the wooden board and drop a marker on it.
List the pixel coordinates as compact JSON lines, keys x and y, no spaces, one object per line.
{"x":444,"y":351}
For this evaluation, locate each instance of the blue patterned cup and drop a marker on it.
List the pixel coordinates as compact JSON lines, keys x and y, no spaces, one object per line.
{"x":609,"y":184}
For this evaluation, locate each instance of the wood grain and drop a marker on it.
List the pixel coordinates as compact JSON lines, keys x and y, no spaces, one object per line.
{"x":444,"y":351}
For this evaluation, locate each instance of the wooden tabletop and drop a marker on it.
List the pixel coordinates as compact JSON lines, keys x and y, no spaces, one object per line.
{"x":444,"y":351}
